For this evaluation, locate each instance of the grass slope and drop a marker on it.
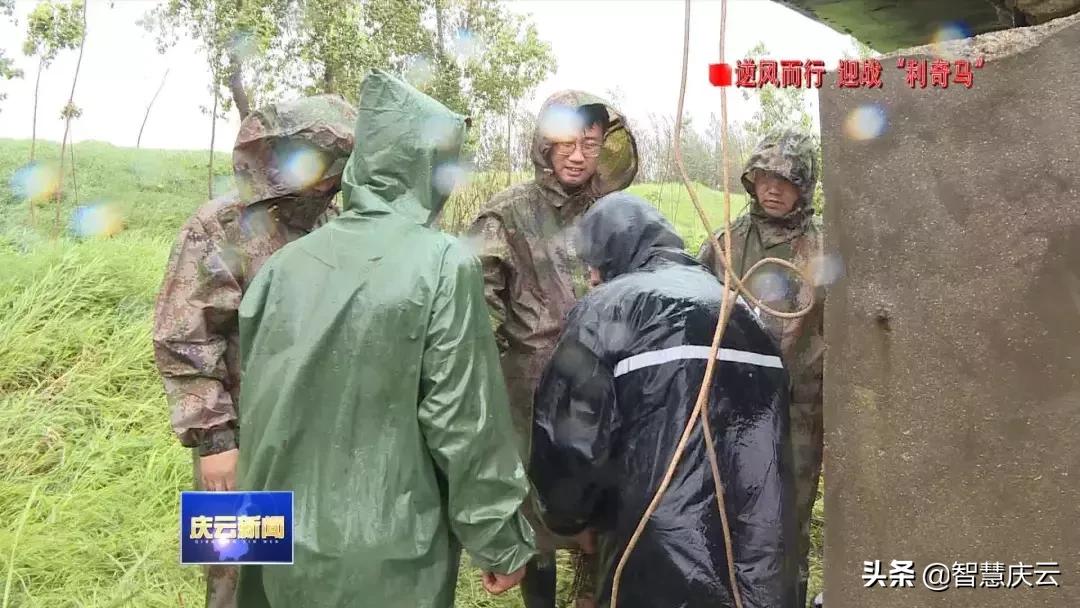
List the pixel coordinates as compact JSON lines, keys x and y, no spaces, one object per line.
{"x":89,"y":470}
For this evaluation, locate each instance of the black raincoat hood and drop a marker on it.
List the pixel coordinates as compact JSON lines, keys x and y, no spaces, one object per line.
{"x":623,"y":232}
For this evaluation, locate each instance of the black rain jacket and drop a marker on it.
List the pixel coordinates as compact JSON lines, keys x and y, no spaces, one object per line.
{"x":614,"y":400}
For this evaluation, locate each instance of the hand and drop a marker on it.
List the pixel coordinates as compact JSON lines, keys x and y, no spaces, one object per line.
{"x":586,"y":540}
{"x":218,"y":471}
{"x":497,"y":584}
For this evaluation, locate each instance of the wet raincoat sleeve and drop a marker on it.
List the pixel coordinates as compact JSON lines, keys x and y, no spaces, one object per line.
{"x":495,"y":257}
{"x":757,"y":458}
{"x":575,"y":423}
{"x":465,"y":420}
{"x":195,"y":314}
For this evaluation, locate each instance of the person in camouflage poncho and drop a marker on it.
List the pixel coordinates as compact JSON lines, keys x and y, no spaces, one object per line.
{"x":288,"y":161}
{"x":780,"y":177}
{"x":582,"y":150}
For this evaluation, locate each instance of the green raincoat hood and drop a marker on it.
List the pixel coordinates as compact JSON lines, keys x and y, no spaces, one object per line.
{"x":618,"y":158}
{"x":791,"y":154}
{"x":403,"y":140}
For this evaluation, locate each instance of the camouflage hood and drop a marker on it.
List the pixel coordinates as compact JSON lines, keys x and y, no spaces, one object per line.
{"x":285,"y":148}
{"x":407,"y":149}
{"x":792,"y":155}
{"x":618,"y":158}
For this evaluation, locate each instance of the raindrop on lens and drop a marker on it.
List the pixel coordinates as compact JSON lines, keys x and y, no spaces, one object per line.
{"x":826,"y":269}
{"x":222,"y":184}
{"x":302,"y":168}
{"x":35,"y":182}
{"x":768,"y":285}
{"x":449,"y":176}
{"x":940,"y":41}
{"x":440,"y":132}
{"x":466,"y":46}
{"x":96,"y":220}
{"x":420,"y":72}
{"x":243,"y":44}
{"x":867,"y":121}
{"x":561,"y":123}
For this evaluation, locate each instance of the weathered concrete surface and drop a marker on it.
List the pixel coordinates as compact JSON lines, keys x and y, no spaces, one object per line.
{"x":952,"y":403}
{"x":887,"y":25}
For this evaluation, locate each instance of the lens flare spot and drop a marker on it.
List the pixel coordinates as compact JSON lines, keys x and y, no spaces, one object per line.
{"x":96,"y":220}
{"x":302,"y":168}
{"x":942,"y":42}
{"x":467,"y":47}
{"x":420,"y":72}
{"x":561,"y":123}
{"x":450,"y":176}
{"x":35,"y":182}
{"x":769,"y":285}
{"x":865,"y":122}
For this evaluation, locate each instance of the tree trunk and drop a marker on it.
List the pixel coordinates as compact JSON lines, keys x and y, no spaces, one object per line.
{"x":146,"y":116}
{"x":328,"y":79}
{"x":213,"y":134}
{"x":509,"y":160}
{"x":74,"y":180}
{"x":33,"y":126}
{"x":439,"y":29}
{"x":236,"y":85}
{"x":67,"y":125}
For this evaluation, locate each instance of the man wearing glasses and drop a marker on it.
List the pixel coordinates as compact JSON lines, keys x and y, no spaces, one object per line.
{"x":533,"y":276}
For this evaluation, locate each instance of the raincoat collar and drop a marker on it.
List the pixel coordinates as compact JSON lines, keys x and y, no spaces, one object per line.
{"x":622,"y":233}
{"x":403,"y":139}
{"x":618,"y":159}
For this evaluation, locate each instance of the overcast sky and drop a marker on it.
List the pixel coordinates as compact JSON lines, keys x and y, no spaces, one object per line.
{"x":631,"y":47}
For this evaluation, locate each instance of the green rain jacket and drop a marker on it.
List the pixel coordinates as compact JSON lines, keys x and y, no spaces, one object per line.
{"x":371,"y":386}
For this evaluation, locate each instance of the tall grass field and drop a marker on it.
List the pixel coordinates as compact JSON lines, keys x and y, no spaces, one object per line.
{"x":90,"y":473}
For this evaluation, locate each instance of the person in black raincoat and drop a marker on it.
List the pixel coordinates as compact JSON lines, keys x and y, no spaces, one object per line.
{"x":613,"y":402}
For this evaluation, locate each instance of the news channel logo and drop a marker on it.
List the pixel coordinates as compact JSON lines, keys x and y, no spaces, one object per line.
{"x":238,"y":528}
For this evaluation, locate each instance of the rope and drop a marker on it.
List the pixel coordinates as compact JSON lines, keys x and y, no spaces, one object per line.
{"x":725,"y":313}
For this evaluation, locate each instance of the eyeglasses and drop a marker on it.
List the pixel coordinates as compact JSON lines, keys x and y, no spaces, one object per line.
{"x":589,"y":149}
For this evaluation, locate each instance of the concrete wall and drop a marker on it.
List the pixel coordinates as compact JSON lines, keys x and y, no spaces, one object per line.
{"x":952,"y":404}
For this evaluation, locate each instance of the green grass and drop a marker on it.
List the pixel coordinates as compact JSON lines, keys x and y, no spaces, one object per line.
{"x":673,"y":200}
{"x":89,"y":469}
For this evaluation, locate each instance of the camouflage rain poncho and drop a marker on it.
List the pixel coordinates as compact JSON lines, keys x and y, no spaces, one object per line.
{"x":797,"y":238}
{"x":280,"y":151}
{"x":532,"y":274}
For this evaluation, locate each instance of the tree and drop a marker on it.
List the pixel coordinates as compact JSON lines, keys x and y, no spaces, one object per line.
{"x":237,"y":37}
{"x":138,"y":140}
{"x":7,"y":69}
{"x":474,"y":56}
{"x":778,"y":107}
{"x":70,"y":111}
{"x":51,"y":28}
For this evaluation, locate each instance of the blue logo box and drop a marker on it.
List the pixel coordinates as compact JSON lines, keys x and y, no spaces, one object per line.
{"x":236,"y":528}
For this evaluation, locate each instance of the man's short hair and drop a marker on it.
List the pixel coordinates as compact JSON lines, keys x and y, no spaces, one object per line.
{"x":594,"y":114}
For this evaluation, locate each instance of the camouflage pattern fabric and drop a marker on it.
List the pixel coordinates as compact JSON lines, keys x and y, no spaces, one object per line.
{"x":287,"y":161}
{"x":532,"y":273}
{"x":798,"y":238}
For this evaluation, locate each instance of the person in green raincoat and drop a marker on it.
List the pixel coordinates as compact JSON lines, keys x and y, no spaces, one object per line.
{"x":372,"y":390}
{"x":780,"y":177}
